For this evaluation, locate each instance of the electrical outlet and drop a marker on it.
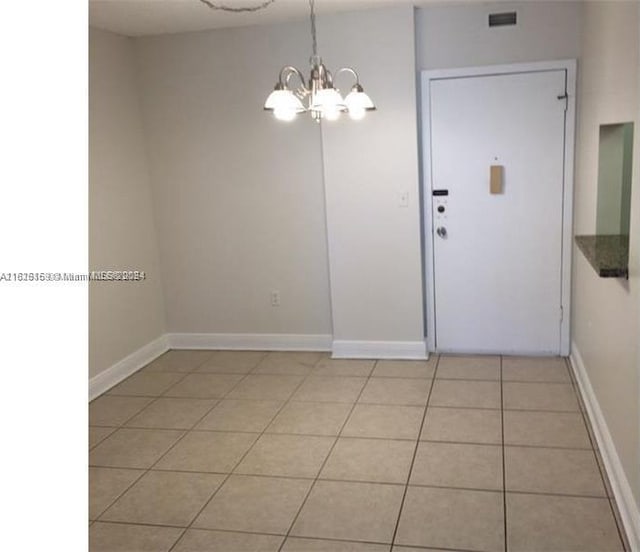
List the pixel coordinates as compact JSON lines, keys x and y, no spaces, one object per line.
{"x":275,"y":298}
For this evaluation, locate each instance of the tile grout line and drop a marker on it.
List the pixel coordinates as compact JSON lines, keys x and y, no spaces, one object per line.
{"x":145,"y":471}
{"x":154,"y":398}
{"x":594,"y":448}
{"x":281,"y":535}
{"x":446,"y":407}
{"x":517,"y":445}
{"x":142,"y":370}
{"x":231,"y":472}
{"x":415,"y":453}
{"x":114,"y":429}
{"x":185,"y":433}
{"x":104,"y":510}
{"x":219,"y":399}
{"x":337,"y":437}
{"x":504,"y":463}
{"x":457,"y":407}
{"x":373,"y":482}
{"x":122,"y":426}
{"x":587,"y":425}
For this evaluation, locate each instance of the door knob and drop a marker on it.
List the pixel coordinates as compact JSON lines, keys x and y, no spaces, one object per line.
{"x":441,"y":231}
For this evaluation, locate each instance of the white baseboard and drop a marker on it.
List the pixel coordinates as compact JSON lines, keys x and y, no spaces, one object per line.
{"x":251,"y":342}
{"x":405,"y":350}
{"x":124,"y":368}
{"x":629,"y":511}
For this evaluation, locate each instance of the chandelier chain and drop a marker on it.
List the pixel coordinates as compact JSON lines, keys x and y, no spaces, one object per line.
{"x":223,"y":7}
{"x":313,"y":27}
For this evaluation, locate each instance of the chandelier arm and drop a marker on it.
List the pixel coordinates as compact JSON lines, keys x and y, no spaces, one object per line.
{"x":349,"y":70}
{"x":224,"y":7}
{"x":287,"y":72}
{"x":328,"y":76}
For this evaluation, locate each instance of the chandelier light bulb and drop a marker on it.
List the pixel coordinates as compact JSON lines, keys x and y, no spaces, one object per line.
{"x":284,"y":114}
{"x":357,"y":113}
{"x":331,"y":114}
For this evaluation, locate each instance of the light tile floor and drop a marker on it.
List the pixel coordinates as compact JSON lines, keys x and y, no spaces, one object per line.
{"x":205,"y":451}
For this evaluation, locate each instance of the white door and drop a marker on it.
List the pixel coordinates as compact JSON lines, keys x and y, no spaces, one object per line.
{"x":497,"y":262}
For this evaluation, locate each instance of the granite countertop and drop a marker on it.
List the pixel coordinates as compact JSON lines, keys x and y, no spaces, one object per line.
{"x":608,"y":255}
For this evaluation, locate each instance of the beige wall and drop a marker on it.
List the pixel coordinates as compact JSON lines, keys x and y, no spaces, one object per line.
{"x":606,"y":312}
{"x":238,"y":195}
{"x":239,"y":198}
{"x":123,"y":317}
{"x":458,"y":35}
{"x":374,"y":242}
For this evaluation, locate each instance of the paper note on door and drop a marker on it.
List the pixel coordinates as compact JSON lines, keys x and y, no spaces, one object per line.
{"x":495,"y":179}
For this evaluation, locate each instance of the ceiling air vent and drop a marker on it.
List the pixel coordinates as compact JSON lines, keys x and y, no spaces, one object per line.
{"x":502,"y":19}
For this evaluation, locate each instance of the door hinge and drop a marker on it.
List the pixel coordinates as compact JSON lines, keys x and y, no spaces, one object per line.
{"x":564,"y":97}
{"x":561,"y":314}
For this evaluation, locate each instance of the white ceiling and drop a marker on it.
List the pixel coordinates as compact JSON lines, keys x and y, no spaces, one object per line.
{"x":149,"y":17}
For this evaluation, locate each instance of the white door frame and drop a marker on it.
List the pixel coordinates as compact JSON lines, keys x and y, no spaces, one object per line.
{"x":567,"y":209}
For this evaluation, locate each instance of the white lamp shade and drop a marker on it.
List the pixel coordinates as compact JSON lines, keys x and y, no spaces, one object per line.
{"x":327,"y":99}
{"x":283,"y":100}
{"x":357,"y":101}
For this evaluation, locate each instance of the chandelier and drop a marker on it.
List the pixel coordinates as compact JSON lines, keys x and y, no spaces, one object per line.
{"x":316,"y":96}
